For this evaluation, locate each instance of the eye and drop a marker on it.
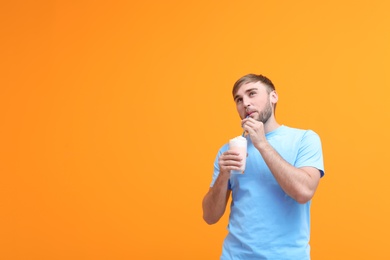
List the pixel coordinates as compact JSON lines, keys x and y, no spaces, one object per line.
{"x":238,"y":100}
{"x":252,"y":93}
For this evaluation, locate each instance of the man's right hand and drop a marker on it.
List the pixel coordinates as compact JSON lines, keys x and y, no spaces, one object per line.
{"x":228,"y":161}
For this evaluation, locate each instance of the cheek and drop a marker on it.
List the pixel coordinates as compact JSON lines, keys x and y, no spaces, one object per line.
{"x":262,"y":104}
{"x":241,"y":111}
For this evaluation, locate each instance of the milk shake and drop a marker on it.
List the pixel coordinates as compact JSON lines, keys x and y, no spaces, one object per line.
{"x":239,"y":144}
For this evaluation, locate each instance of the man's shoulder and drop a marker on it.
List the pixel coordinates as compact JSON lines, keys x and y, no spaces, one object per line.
{"x":298,"y":131}
{"x":298,"y":134}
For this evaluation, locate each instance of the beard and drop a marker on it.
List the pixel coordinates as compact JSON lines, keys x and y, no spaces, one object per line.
{"x":266,"y":113}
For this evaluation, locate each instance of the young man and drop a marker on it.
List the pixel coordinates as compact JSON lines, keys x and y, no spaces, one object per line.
{"x":270,"y":208}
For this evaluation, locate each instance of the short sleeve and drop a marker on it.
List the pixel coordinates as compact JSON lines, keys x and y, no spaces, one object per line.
{"x":310,"y":152}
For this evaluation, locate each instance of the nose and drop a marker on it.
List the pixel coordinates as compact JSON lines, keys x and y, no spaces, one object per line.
{"x":246,"y":102}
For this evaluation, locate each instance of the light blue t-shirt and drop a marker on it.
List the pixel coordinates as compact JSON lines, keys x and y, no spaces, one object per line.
{"x":264,"y":222}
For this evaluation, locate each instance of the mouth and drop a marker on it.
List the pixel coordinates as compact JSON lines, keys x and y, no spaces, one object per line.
{"x":248,"y":114}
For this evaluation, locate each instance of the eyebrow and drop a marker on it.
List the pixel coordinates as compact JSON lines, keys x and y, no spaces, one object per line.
{"x":248,"y":90}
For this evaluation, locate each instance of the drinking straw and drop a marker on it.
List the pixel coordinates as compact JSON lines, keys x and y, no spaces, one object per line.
{"x":243,"y":133}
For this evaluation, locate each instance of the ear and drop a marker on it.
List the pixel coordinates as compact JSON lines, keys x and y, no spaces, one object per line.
{"x":274,"y":97}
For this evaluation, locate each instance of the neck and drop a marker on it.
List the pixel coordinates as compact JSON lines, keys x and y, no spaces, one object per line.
{"x":271,"y":125}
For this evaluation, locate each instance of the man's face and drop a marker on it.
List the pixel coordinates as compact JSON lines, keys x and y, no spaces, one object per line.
{"x":252,"y":99}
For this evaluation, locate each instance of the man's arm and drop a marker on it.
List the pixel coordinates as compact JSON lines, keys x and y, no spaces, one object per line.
{"x":215,"y":201}
{"x":298,"y":183}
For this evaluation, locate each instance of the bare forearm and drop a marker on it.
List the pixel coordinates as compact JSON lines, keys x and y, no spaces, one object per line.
{"x":298,"y":183}
{"x":214,"y":203}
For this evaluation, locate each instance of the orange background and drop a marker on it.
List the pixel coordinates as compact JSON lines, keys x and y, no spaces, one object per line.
{"x":112,"y":114}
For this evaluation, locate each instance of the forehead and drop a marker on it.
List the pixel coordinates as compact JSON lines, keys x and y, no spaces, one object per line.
{"x":250,"y":86}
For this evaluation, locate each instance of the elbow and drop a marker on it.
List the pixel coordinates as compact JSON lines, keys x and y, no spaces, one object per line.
{"x":209,"y":220}
{"x":302,"y":200}
{"x":304,"y":197}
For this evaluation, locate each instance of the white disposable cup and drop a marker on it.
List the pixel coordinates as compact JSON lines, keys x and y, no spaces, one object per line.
{"x":239,"y":144}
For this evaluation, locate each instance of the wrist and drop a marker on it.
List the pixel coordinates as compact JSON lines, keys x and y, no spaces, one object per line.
{"x":261,"y":145}
{"x":223,"y":176}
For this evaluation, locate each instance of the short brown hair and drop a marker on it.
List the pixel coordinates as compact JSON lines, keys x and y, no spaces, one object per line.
{"x":253,"y":78}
